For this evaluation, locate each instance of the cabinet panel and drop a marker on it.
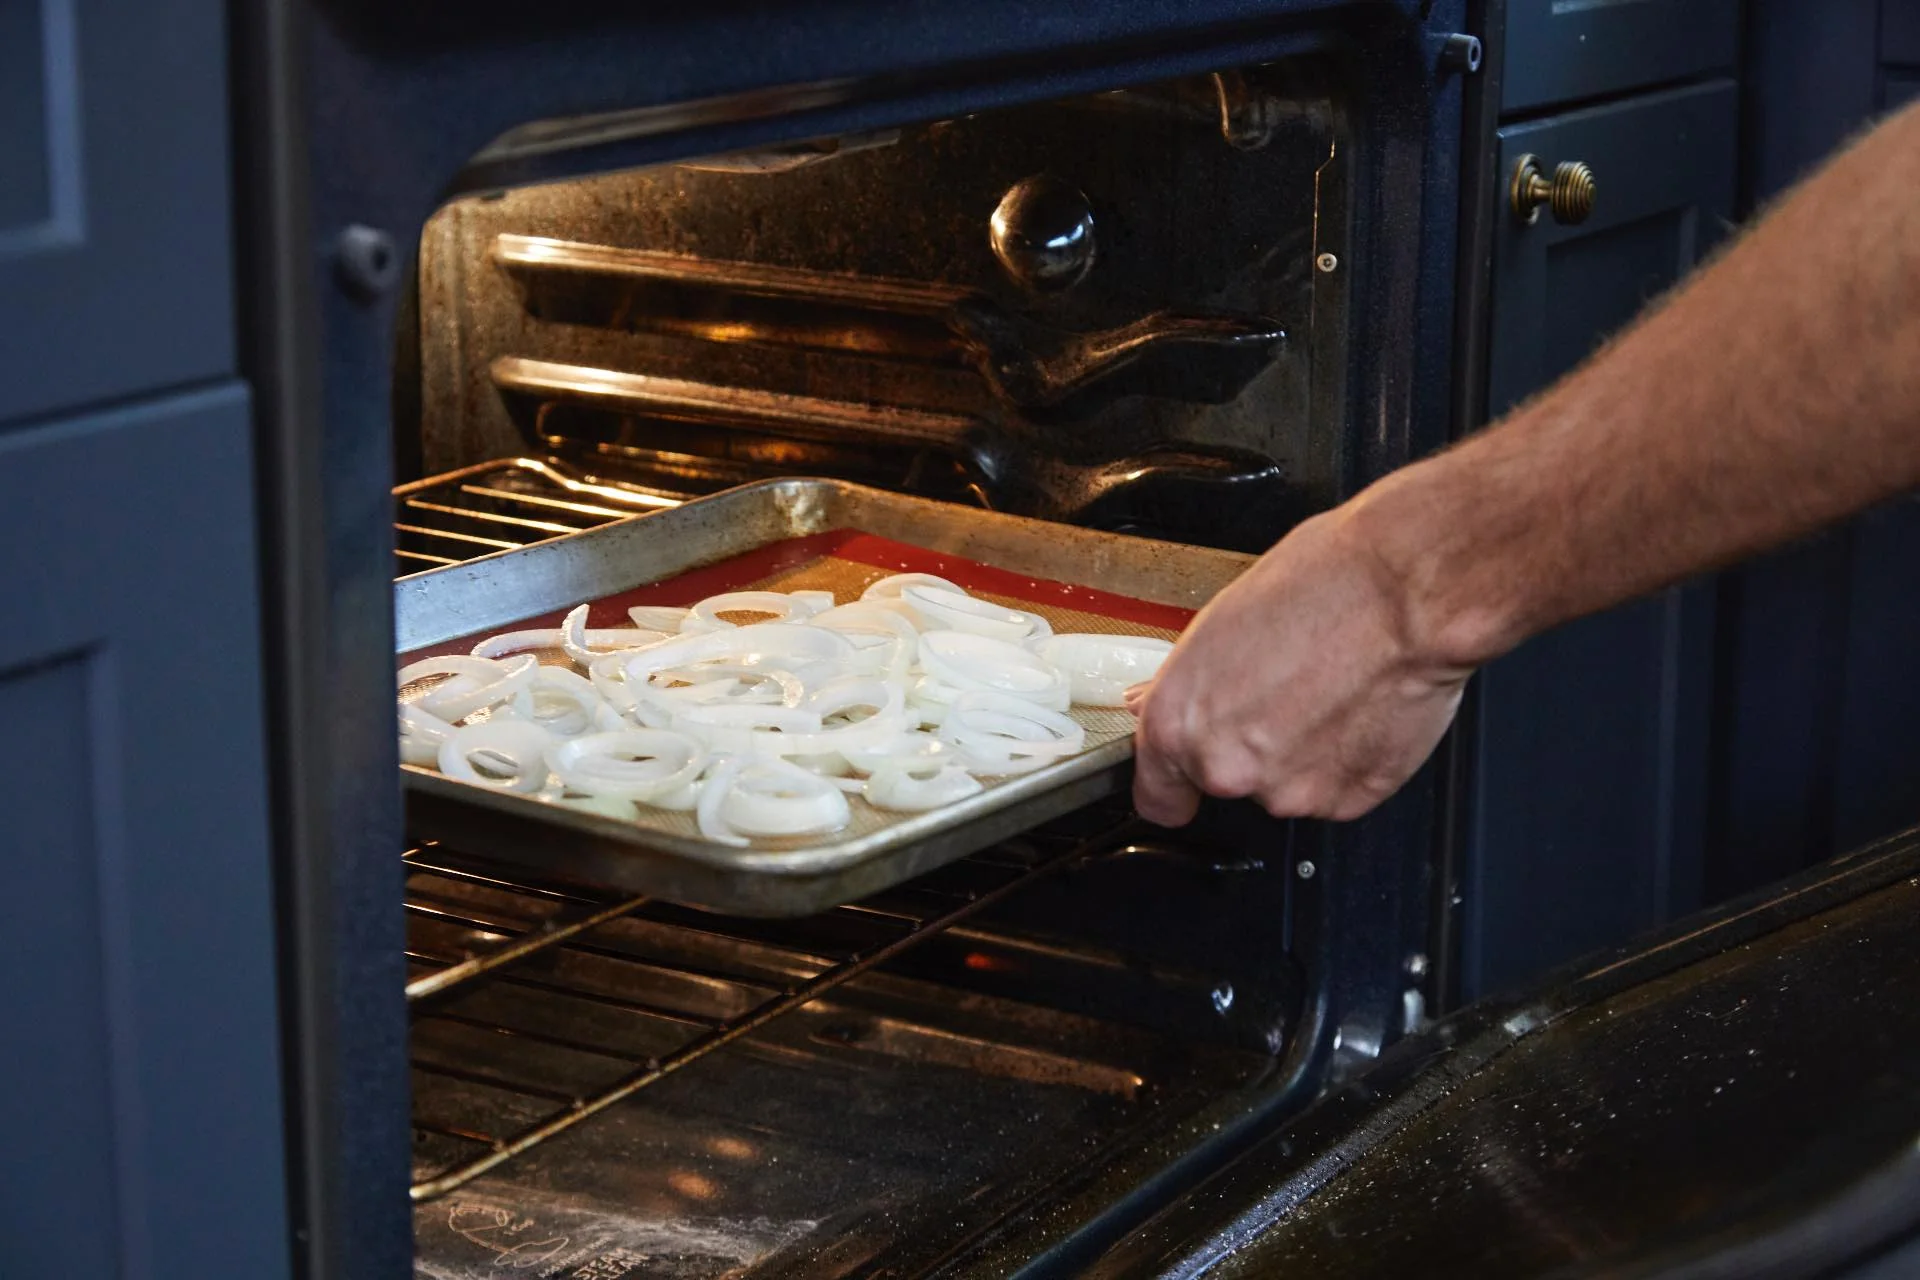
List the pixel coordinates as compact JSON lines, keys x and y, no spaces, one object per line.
{"x":1664,"y":169}
{"x":1900,"y":31}
{"x":1567,"y":50}
{"x":140,"y":1086}
{"x":1877,"y":757}
{"x":1587,"y":817}
{"x":114,"y":224}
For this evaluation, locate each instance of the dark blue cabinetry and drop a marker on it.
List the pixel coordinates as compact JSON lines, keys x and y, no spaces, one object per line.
{"x":114,"y":235}
{"x":1589,"y":757}
{"x":140,"y":1079}
{"x":1560,"y":51}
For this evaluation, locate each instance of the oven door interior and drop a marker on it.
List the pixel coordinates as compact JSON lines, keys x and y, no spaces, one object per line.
{"x":1736,"y":1099}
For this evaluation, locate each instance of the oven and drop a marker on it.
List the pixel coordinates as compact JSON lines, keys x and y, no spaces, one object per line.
{"x":512,"y":274}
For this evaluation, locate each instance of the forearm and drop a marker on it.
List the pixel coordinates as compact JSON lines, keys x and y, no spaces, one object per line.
{"x":1776,"y":392}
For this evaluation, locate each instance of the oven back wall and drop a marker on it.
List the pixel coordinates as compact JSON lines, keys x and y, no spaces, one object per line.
{"x":1184,"y":223}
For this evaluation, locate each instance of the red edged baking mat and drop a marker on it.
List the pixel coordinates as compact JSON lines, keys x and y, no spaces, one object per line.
{"x":845,"y":561}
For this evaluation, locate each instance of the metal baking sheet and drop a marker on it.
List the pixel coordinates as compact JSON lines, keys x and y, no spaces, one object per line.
{"x":791,"y":534}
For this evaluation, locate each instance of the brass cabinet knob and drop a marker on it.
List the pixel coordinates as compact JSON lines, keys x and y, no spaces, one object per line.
{"x":1570,"y":193}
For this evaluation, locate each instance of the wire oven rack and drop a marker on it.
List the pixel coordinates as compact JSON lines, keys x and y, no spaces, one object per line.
{"x":468,"y":926}
{"x":507,"y":504}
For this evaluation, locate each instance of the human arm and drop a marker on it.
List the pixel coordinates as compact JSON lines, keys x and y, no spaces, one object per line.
{"x":1777,"y":391}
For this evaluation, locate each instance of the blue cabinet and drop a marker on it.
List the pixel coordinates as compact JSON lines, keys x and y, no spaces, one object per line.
{"x":115,"y":266}
{"x":1587,"y":810}
{"x":1563,"y":51}
{"x":140,"y":1086}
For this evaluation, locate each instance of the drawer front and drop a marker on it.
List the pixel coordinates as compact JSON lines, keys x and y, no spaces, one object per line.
{"x":1568,"y":50}
{"x":114,"y":218}
{"x":1900,"y":31}
{"x":140,"y":1079}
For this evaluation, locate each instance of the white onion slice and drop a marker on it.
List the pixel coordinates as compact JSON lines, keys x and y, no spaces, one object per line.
{"x":968,"y":661}
{"x":911,"y":746}
{"x":462,"y":674}
{"x":579,"y":642}
{"x":630,"y":764}
{"x":812,"y":603}
{"x":997,"y":734}
{"x":869,"y":621}
{"x":891,"y":586}
{"x":450,"y":703}
{"x":657,"y":617}
{"x":705,"y":616}
{"x":1100,"y":669}
{"x":945,"y":610}
{"x":515,"y":744}
{"x":421,"y":733}
{"x":609,"y":675}
{"x":748,"y":729}
{"x":930,"y":698}
{"x":757,"y":643}
{"x":559,"y":701}
{"x":709,"y":810}
{"x":914,"y":787}
{"x":512,"y":642}
{"x":774,"y":798}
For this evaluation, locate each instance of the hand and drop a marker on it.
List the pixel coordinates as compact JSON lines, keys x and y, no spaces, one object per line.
{"x":1300,"y":685}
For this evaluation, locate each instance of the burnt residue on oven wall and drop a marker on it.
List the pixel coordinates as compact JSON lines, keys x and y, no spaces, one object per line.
{"x":1103,"y":310}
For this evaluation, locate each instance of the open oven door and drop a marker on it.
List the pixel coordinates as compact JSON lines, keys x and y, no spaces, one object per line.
{"x":1739,"y":1099}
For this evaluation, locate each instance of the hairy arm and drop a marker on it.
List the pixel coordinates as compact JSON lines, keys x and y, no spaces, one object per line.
{"x":1777,"y":391}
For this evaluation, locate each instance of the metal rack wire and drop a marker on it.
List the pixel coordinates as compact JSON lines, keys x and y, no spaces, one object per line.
{"x":507,"y":504}
{"x":504,"y":924}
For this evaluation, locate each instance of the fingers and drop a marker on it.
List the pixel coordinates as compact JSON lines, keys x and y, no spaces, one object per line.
{"x":1161,"y":793}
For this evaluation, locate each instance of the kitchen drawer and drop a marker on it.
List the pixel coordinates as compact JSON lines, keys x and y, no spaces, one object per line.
{"x":1569,"y":50}
{"x":1900,"y":31}
{"x":114,"y":220}
{"x":140,"y":1074}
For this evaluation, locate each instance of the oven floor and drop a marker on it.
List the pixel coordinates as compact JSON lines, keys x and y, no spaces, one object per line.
{"x":872,"y":1131}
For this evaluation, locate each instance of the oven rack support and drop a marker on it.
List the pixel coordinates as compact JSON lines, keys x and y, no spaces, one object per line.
{"x":1116,"y":841}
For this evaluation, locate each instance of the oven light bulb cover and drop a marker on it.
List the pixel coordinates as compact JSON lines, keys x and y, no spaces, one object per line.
{"x":1042,"y":233}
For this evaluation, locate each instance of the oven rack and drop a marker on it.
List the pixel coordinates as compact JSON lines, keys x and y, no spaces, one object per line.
{"x":507,"y":504}
{"x":505,"y":927}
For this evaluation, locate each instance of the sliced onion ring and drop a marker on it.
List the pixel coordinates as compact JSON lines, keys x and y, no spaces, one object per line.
{"x":774,"y":798}
{"x":421,"y":733}
{"x":1002,"y":735}
{"x":579,"y":642}
{"x":913,"y":787}
{"x":579,"y":703}
{"x":953,"y":610}
{"x":968,"y":661}
{"x":510,"y":677}
{"x":713,"y":794}
{"x":521,"y":746}
{"x":628,"y":764}
{"x":890,"y":587}
{"x":705,"y":616}
{"x":1100,"y":669}
{"x":655,"y":617}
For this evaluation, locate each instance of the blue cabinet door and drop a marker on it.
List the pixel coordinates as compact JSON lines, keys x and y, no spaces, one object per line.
{"x":140,"y":1094}
{"x":1570,"y":50}
{"x":1586,"y":820}
{"x":115,"y":270}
